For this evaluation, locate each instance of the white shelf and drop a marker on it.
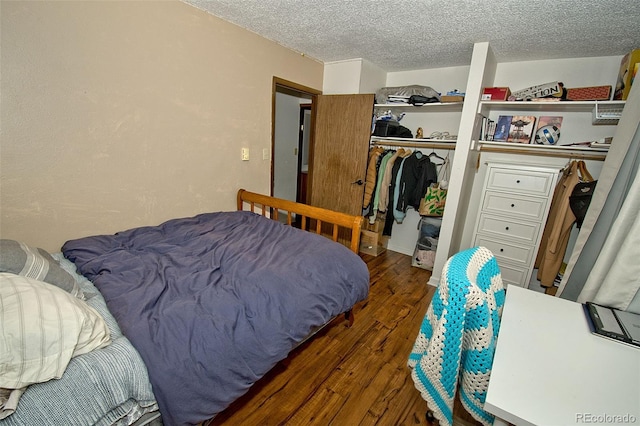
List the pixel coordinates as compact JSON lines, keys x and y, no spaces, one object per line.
{"x":551,"y":106}
{"x":430,"y":107}
{"x":424,"y":140}
{"x":548,"y":150}
{"x":414,"y":143}
{"x":544,"y":147}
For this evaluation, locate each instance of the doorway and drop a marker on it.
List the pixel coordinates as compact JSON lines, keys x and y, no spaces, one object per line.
{"x":292,"y":106}
{"x":304,"y":142}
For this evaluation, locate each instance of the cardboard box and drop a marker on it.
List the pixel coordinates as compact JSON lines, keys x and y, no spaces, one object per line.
{"x":373,"y":243}
{"x":451,"y":98}
{"x":591,"y":93}
{"x":496,"y":93}
{"x":628,"y":69}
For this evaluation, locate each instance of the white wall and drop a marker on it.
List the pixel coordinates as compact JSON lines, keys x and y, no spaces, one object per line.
{"x":372,"y":77}
{"x":342,"y":77}
{"x":286,"y":138}
{"x":577,"y":72}
{"x":352,"y":76}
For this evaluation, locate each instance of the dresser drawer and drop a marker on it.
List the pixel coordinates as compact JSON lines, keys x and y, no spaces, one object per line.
{"x":524,"y":182}
{"x":526,"y":232}
{"x":513,"y":275}
{"x":519,"y":254}
{"x":519,"y":206}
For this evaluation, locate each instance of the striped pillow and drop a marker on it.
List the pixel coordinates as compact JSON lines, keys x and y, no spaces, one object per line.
{"x":36,"y":263}
{"x":41,"y":328}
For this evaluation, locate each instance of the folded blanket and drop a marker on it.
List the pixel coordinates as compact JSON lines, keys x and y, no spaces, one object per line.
{"x":458,"y":336}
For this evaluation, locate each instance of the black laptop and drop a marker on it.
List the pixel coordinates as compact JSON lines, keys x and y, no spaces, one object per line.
{"x":613,"y":323}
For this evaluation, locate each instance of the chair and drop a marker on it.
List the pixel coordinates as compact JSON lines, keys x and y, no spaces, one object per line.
{"x":457,"y":338}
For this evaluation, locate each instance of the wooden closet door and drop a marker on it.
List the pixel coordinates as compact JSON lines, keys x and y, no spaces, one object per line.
{"x":340,"y":147}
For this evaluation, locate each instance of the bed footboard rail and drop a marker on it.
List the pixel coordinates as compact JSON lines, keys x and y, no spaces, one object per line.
{"x":273,"y":207}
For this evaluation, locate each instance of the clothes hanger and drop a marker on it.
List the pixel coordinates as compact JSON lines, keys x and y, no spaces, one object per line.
{"x":434,"y":154}
{"x":569,"y":167}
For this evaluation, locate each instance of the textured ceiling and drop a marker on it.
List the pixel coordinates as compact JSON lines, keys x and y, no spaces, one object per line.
{"x":417,"y":34}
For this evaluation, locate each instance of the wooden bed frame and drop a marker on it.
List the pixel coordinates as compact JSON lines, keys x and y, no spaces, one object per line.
{"x":324,"y":219}
{"x":307,"y":214}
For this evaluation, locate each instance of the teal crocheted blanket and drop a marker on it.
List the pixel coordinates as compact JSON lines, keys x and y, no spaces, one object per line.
{"x":458,"y":336}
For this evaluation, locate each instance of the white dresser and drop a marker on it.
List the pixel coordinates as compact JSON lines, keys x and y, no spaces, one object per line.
{"x":514,"y":206}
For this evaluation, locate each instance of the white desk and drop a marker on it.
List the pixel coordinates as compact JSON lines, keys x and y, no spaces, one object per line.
{"x":550,"y":370}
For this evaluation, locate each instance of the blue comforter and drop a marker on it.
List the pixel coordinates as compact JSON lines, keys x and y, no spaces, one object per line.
{"x":213,"y":302}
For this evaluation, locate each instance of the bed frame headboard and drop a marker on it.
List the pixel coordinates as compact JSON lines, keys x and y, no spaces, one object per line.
{"x":262,"y":204}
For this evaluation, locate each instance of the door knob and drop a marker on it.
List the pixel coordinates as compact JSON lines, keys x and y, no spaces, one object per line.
{"x":359,"y":182}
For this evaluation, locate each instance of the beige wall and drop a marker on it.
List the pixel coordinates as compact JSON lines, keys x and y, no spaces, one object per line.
{"x":121,"y":114}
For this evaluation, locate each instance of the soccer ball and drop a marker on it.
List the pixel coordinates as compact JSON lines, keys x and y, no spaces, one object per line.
{"x":547,"y":135}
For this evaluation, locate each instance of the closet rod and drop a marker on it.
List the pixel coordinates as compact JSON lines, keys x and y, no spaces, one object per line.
{"x":434,"y":145}
{"x":573,"y":155}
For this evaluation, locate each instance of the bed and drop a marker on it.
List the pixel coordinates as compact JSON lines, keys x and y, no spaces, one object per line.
{"x":106,"y":386}
{"x":212,"y":302}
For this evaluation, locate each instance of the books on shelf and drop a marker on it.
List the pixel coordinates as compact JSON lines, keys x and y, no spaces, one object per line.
{"x":525,"y":129}
{"x":552,"y":123}
{"x":521,"y":128}
{"x":487,"y":128}
{"x":503,"y":124}
{"x":549,"y":120}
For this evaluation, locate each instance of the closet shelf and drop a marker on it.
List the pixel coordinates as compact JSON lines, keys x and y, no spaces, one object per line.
{"x":430,"y":107}
{"x":414,"y":143}
{"x":551,"y":106}
{"x":582,"y":152}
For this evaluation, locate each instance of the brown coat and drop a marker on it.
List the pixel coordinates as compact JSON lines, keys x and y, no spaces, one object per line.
{"x":558,"y":228}
{"x":372,"y":176}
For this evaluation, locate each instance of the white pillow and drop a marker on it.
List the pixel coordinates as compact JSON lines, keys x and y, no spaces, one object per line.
{"x":41,"y":328}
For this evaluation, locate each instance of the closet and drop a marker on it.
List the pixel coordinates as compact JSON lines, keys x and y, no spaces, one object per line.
{"x":471,"y":156}
{"x":439,"y":123}
{"x":399,"y":175}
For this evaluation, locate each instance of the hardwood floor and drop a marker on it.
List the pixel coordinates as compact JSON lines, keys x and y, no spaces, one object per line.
{"x":350,"y":376}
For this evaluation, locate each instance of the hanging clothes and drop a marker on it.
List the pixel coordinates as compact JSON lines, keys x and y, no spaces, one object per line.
{"x":369,"y":187}
{"x":386,"y":181}
{"x":560,"y":220}
{"x":398,"y":192}
{"x":379,"y":185}
{"x":417,"y":175}
{"x":393,"y":197}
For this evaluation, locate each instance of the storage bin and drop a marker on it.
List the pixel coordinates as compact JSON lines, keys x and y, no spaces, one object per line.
{"x":427,"y":243}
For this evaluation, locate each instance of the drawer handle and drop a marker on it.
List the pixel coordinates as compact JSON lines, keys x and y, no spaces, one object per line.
{"x":501,"y":250}
{"x":506,"y":228}
{"x":513,"y":205}
{"x":518,"y":181}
